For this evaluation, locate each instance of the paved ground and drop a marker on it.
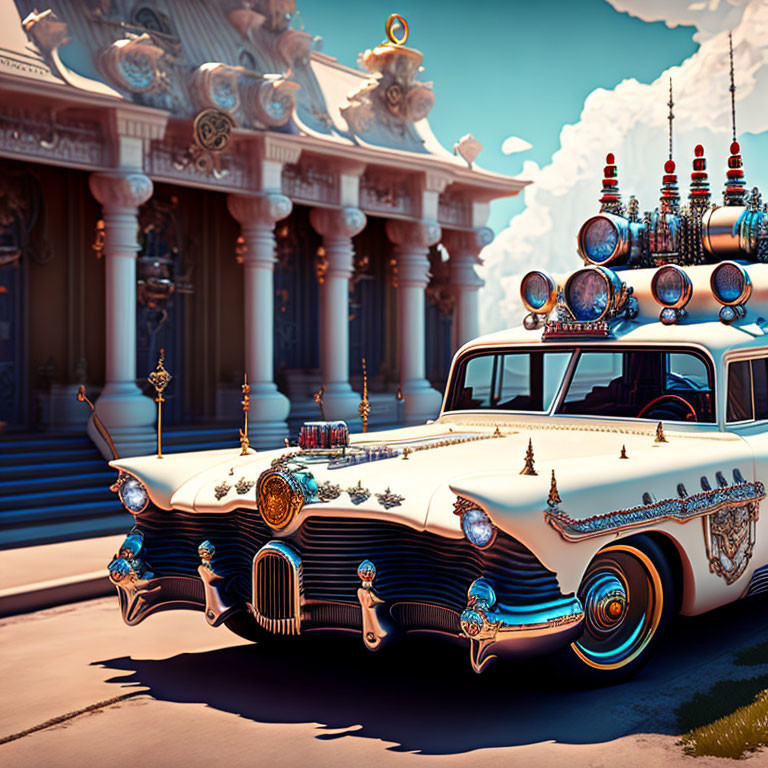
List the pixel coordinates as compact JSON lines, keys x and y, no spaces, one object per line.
{"x":200,"y":697}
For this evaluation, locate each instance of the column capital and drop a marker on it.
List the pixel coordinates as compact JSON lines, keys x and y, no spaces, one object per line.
{"x":467,"y":243}
{"x":337,"y":222}
{"x":413,"y":234}
{"x":120,"y":189}
{"x":253,"y":210}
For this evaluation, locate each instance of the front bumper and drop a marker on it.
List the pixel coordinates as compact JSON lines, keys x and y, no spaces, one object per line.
{"x":322,"y":578}
{"x":513,"y":631}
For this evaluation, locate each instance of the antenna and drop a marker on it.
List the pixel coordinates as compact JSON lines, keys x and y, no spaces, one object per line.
{"x":671,"y":117}
{"x":733,"y":86}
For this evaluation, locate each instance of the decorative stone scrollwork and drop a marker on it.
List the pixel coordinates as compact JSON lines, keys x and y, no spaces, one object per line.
{"x":132,"y":64}
{"x":392,"y":92}
{"x":270,"y":100}
{"x":215,"y":86}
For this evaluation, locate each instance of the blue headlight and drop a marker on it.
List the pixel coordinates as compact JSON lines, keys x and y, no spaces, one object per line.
{"x":478,"y":528}
{"x":538,"y":292}
{"x":589,"y":293}
{"x":133,"y":494}
{"x":730,"y":283}
{"x":671,"y":287}
{"x":599,"y":240}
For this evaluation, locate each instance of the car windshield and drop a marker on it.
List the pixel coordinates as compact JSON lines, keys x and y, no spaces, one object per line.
{"x":652,"y":384}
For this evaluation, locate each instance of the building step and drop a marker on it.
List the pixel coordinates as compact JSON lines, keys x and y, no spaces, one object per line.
{"x":66,"y":530}
{"x":52,"y":469}
{"x":75,"y":479}
{"x":57,"y":496}
{"x":62,"y":513}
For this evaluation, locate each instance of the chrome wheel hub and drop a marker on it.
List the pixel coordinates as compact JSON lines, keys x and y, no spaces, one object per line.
{"x":605,"y":603}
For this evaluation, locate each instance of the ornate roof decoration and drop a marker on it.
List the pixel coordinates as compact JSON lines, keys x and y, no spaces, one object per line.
{"x":392,"y":97}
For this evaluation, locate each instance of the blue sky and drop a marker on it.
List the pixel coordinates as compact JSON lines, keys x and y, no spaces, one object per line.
{"x":507,"y":68}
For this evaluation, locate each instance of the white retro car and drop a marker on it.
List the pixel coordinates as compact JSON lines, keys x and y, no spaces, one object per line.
{"x":591,"y":473}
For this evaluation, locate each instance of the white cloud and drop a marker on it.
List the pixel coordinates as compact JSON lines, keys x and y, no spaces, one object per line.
{"x":630,"y":121}
{"x":513,"y":144}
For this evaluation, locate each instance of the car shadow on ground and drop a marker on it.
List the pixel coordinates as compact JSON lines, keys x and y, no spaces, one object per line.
{"x":422,"y":696}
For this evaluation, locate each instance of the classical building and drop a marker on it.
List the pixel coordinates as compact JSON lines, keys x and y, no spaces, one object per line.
{"x":194,"y":176}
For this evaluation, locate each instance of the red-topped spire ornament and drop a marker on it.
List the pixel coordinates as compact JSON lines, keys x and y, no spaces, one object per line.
{"x":610,"y":200}
{"x":699,"y":193}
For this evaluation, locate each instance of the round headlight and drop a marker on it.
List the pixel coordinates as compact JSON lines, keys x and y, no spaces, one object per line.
{"x":133,"y":493}
{"x":600,"y":241}
{"x":478,"y":528}
{"x":538,"y":292}
{"x":730,"y":283}
{"x":279,"y":497}
{"x":671,"y":287}
{"x":589,"y":293}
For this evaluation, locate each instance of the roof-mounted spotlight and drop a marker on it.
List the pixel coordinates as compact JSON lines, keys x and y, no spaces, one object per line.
{"x":672,"y":288}
{"x":593,"y":294}
{"x":538,"y":292}
{"x":609,"y":239}
{"x":731,"y":287}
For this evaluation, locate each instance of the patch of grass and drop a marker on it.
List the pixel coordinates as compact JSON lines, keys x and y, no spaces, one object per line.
{"x":744,"y":730}
{"x":732,"y":718}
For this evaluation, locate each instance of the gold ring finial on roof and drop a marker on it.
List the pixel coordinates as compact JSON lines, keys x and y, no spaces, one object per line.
{"x":390,"y":29}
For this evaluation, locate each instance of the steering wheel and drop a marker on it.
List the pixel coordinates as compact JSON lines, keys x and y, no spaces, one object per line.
{"x":671,"y":411}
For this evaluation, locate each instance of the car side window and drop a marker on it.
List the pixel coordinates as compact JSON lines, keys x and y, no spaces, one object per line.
{"x":748,"y":390}
{"x":740,"y":391}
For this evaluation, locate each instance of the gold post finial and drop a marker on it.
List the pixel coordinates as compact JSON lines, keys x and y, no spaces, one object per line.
{"x":318,"y":398}
{"x":395,"y":22}
{"x":660,"y":437}
{"x":159,"y":379}
{"x":246,"y":402}
{"x":554,"y":497}
{"x":364,"y":409}
{"x":528,"y":468}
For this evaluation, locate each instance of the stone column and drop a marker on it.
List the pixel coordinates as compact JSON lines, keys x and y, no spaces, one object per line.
{"x":412,"y":241}
{"x":338,"y":227}
{"x":257,"y":216}
{"x":464,"y":248}
{"x":126,"y":412}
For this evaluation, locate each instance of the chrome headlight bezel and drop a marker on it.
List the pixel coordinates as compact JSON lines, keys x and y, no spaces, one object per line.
{"x":133,"y":494}
{"x":612,"y":285}
{"x":473,"y":519}
{"x":746,"y":284}
{"x":551,"y":292}
{"x":621,"y":231}
{"x":686,"y":286}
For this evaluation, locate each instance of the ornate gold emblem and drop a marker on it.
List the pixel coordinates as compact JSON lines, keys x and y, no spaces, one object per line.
{"x":246,"y":403}
{"x":364,"y":409}
{"x":222,"y":490}
{"x":358,"y":494}
{"x":327,"y":491}
{"x":389,"y":499}
{"x":212,"y":130}
{"x":730,"y":538}
{"x":528,"y":468}
{"x":279,"y":498}
{"x":242,"y":486}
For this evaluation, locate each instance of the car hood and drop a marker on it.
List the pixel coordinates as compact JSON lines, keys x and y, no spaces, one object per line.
{"x":447,"y":460}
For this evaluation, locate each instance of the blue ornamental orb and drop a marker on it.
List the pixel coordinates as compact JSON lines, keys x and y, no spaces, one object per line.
{"x":587,"y":294}
{"x":599,"y":240}
{"x":730,"y":284}
{"x":478,"y":528}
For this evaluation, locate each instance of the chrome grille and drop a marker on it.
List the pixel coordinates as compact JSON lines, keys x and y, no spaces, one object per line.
{"x":277,"y":589}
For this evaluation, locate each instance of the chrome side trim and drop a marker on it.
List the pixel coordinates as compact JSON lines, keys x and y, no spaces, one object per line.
{"x":277,"y":589}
